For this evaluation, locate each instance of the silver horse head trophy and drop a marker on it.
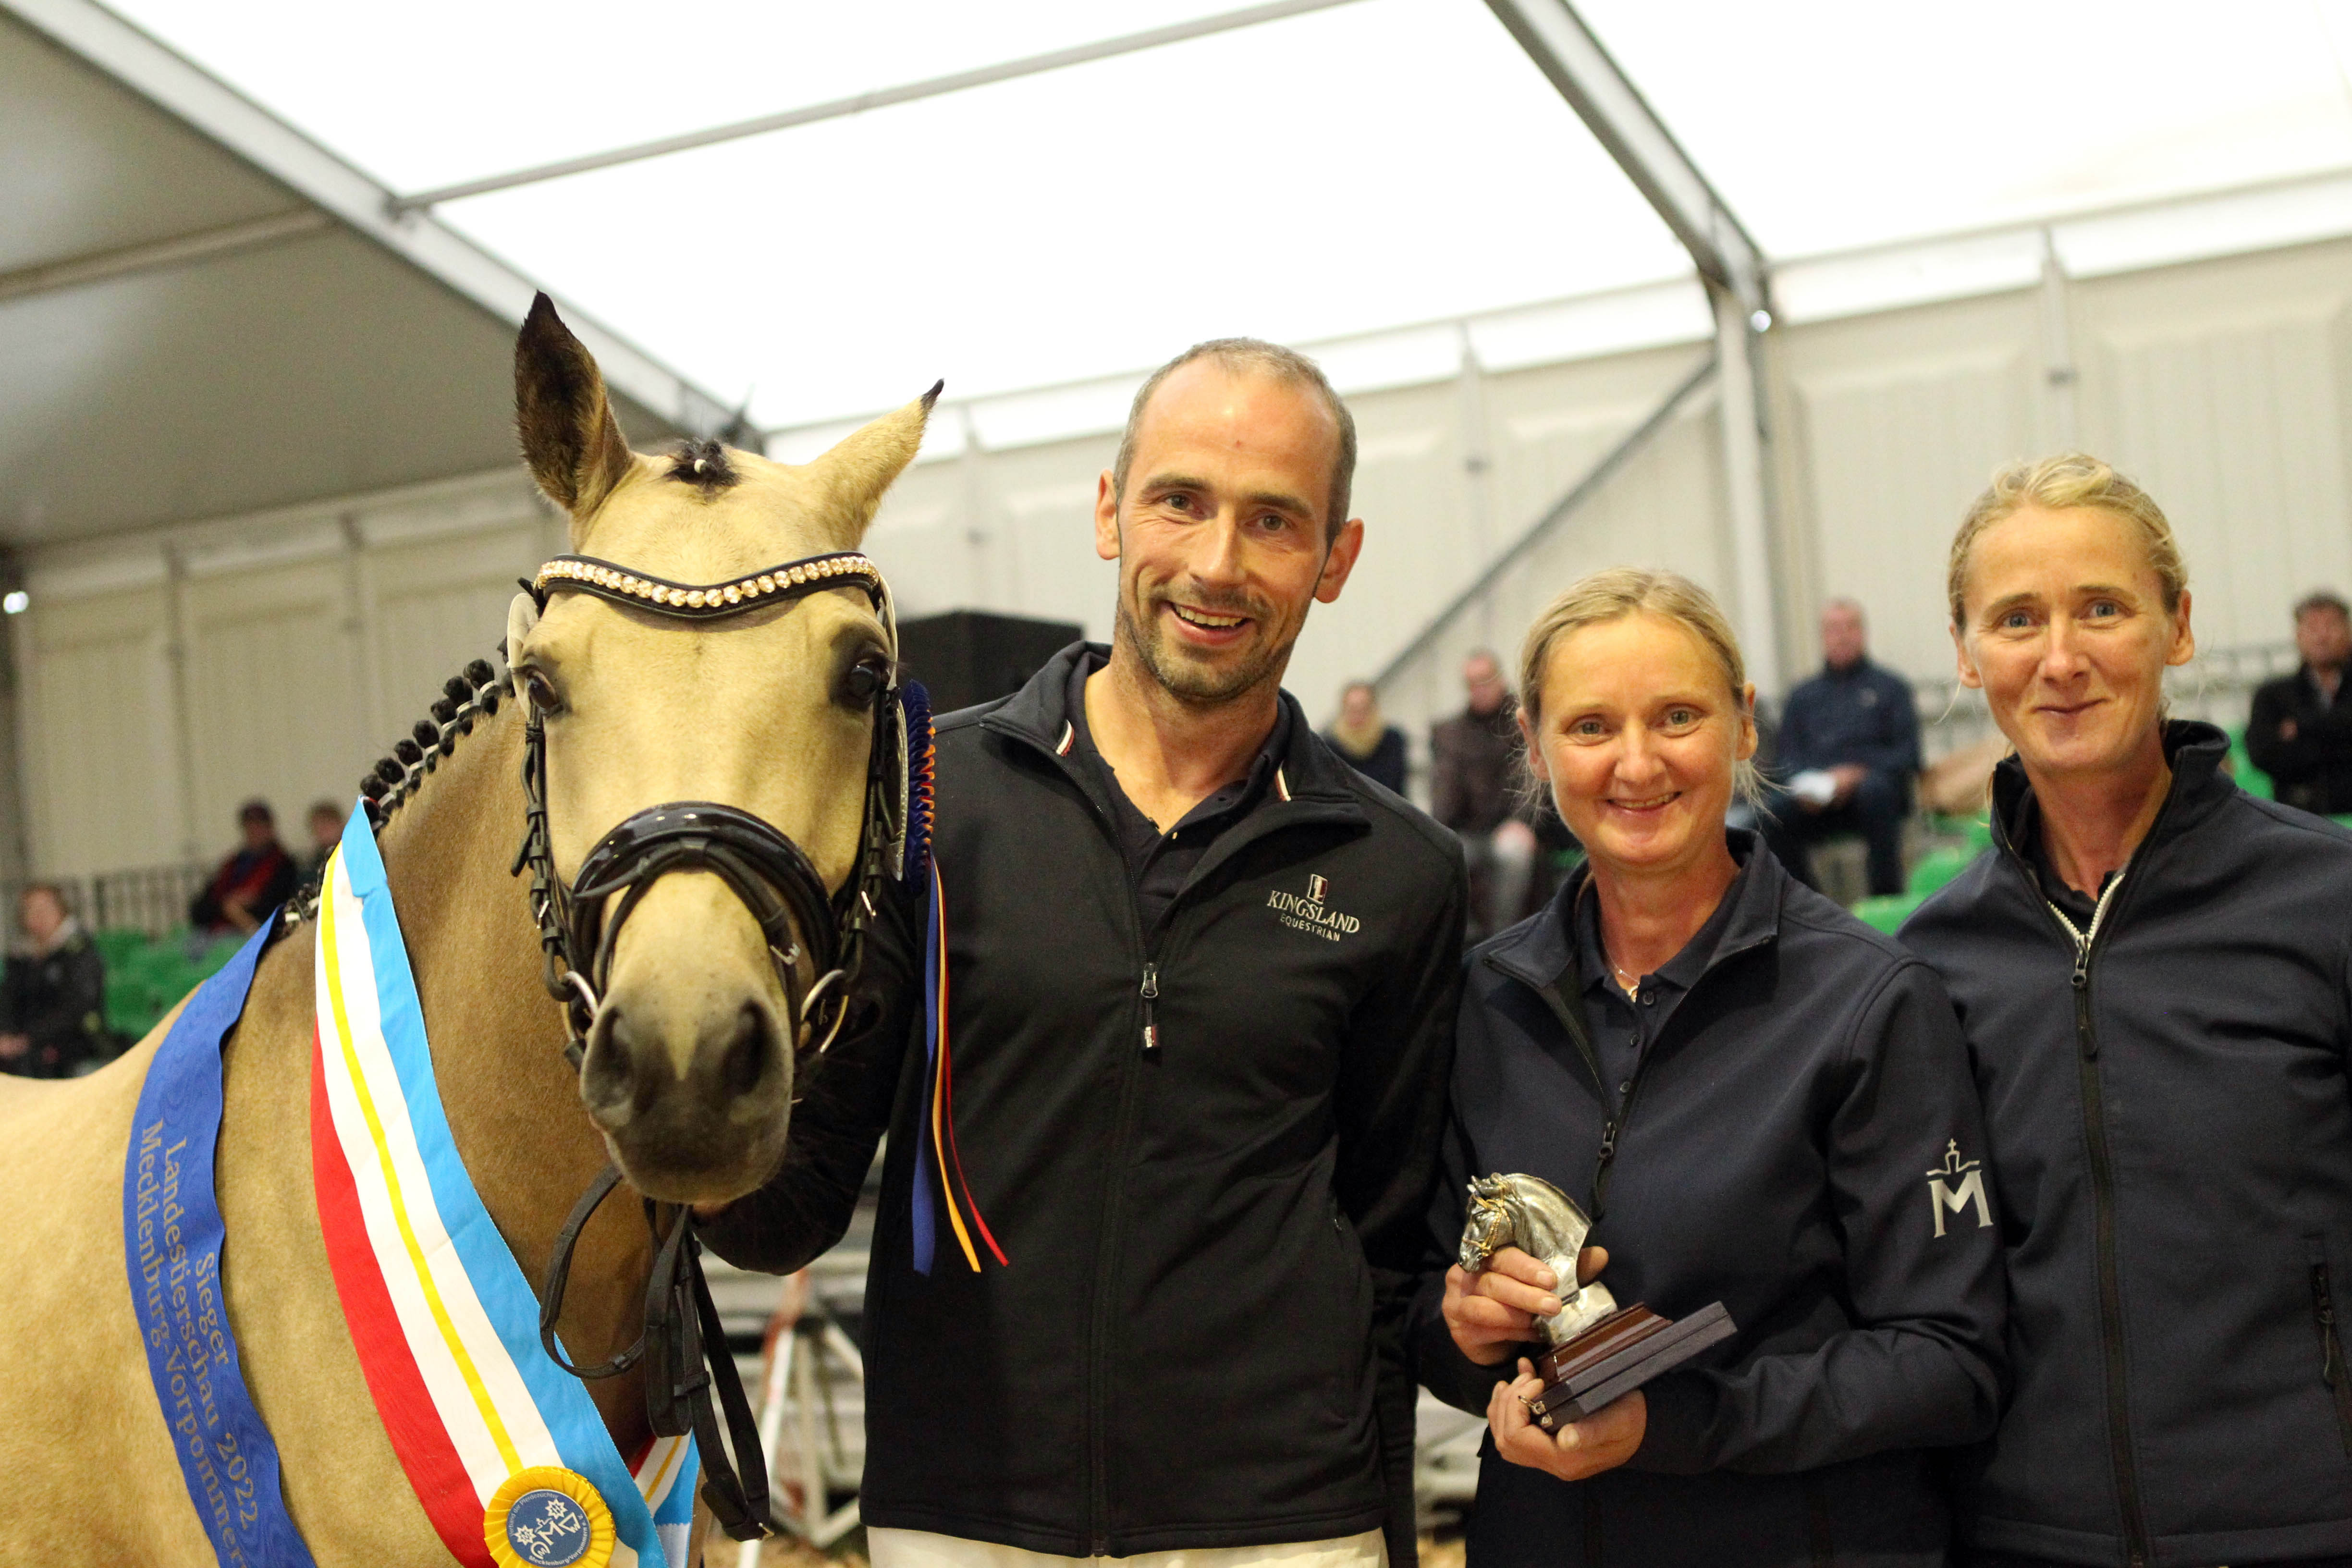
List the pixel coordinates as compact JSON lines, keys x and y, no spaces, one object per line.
{"x":1530,"y":1213}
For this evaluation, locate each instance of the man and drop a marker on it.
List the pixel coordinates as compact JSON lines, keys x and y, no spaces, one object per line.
{"x":1201,"y":980}
{"x":256,"y":879}
{"x":1847,"y":749}
{"x":1474,"y":790}
{"x":53,"y":996}
{"x":2301,"y":731}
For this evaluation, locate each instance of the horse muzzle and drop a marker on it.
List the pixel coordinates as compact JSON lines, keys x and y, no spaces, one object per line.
{"x":688,"y":1069}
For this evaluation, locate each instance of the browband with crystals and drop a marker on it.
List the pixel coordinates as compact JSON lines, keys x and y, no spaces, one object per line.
{"x":790,"y":579}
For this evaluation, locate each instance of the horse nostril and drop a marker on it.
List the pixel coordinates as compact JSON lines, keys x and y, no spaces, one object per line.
{"x":745,"y":1061}
{"x":607,"y":1076}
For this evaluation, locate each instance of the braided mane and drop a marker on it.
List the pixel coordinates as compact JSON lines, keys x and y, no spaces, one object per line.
{"x":472,"y":693}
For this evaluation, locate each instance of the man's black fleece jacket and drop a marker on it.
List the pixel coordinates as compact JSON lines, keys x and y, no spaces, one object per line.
{"x":1197,"y":1339}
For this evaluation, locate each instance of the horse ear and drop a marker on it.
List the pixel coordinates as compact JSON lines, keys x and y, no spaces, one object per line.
{"x":523,"y":613}
{"x":570,"y":438}
{"x":852,"y":477}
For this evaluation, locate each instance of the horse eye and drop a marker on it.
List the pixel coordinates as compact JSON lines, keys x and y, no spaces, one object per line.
{"x":540,"y":691}
{"x":864,"y":680}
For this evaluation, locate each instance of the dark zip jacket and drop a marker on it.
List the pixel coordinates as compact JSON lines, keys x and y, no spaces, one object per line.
{"x":2172,"y":1149}
{"x":1791,"y":1145}
{"x":1198,"y":1341}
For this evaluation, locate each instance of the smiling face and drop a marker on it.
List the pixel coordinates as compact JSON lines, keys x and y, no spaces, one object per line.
{"x":1221,"y":536}
{"x":1639,"y":737}
{"x":2068,"y":634}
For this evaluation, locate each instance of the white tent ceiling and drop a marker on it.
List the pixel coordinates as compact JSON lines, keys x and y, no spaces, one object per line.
{"x":1382,"y":161}
{"x":1368,"y":165}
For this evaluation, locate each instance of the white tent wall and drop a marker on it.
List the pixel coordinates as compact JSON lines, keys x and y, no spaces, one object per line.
{"x":166,"y":677}
{"x":2221,"y":385}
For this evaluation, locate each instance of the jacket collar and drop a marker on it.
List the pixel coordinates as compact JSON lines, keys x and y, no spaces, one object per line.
{"x":2193,"y":749}
{"x":1540,"y":951}
{"x":1039,"y":713}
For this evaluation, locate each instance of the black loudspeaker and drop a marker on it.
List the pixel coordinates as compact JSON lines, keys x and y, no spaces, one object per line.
{"x":969,"y":656}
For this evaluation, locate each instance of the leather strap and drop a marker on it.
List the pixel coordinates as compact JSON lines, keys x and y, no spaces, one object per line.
{"x":684,"y":1348}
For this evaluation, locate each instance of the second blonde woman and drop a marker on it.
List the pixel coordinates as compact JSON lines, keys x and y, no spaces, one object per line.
{"x":1752,"y":1094}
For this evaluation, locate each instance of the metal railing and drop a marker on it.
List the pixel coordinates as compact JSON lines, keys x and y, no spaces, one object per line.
{"x":152,"y":899}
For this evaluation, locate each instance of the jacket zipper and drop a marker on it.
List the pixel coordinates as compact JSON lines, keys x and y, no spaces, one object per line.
{"x":1107,"y":1254}
{"x":1613,"y":1121}
{"x":1098,"y":1330}
{"x":2332,"y":1370}
{"x":2102,"y":1201}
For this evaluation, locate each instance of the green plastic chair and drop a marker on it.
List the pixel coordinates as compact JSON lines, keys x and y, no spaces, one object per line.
{"x":2251,"y":779}
{"x":1887,"y":911}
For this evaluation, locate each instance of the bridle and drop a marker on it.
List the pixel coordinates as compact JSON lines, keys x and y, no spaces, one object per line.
{"x":682,"y":1345}
{"x":765,"y":869}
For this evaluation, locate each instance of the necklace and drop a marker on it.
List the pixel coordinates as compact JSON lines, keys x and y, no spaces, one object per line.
{"x":1627,"y":982}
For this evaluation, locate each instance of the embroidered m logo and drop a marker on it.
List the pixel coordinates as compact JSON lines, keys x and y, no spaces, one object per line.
{"x":1958,"y":1185}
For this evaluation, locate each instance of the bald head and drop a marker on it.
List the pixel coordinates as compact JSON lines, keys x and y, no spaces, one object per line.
{"x":1844,"y":638}
{"x":1254,"y":357}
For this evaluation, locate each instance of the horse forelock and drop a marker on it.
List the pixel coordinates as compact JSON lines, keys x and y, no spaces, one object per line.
{"x":705,"y":465}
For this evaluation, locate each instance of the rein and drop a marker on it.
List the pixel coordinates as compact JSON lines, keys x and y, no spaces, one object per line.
{"x":683,"y":1346}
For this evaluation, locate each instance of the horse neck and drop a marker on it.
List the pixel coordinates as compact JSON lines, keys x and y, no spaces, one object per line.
{"x":511,"y":1099}
{"x":1545,"y":1227}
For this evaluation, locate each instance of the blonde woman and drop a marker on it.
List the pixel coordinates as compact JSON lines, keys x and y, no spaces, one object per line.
{"x":1747,"y":1089}
{"x":2152,"y":968}
{"x":1366,"y":741}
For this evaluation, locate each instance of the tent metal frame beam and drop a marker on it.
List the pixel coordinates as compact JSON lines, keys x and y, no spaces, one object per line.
{"x":1571,"y":502}
{"x":878,"y":98}
{"x":1556,"y":38}
{"x":162,"y":77}
{"x":1727,"y":258}
{"x":179,"y":249}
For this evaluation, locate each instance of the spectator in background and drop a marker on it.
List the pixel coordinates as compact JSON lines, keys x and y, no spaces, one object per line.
{"x":1473,"y":789}
{"x":2301,"y":731}
{"x":53,"y":996}
{"x":250,"y":883}
{"x":326,"y":832}
{"x":1365,"y":740}
{"x":1847,"y":749}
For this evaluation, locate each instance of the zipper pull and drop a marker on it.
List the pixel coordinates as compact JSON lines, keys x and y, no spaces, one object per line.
{"x":1608,"y":1141}
{"x":2081,"y":964}
{"x":1151,"y":995}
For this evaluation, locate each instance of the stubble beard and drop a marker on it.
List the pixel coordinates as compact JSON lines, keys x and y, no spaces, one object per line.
{"x":1192,"y":682}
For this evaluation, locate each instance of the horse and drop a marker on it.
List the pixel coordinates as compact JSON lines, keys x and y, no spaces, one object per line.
{"x":1530,"y":1213}
{"x":687,"y":1043}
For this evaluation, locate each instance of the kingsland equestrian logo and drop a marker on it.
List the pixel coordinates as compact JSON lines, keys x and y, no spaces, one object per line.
{"x":1951,"y":1188}
{"x":1308,"y":913}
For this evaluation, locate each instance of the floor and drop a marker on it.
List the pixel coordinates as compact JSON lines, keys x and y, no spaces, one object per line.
{"x":791,"y":1554}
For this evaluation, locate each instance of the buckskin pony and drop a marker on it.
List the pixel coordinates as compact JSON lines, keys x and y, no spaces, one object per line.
{"x":689,"y":1060}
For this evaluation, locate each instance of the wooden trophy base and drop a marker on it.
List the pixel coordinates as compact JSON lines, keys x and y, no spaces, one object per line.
{"x":1617,"y":1355}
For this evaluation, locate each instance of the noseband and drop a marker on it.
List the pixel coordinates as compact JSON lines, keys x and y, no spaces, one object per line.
{"x":683,"y":1347}
{"x":770,"y":874}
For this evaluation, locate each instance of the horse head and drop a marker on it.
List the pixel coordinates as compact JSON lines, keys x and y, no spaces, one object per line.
{"x":1487,"y":1229}
{"x":695,"y":1001}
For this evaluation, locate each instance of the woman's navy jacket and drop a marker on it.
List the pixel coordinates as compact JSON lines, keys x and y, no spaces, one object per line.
{"x":1803,"y":1143}
{"x":2172,"y":1149}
